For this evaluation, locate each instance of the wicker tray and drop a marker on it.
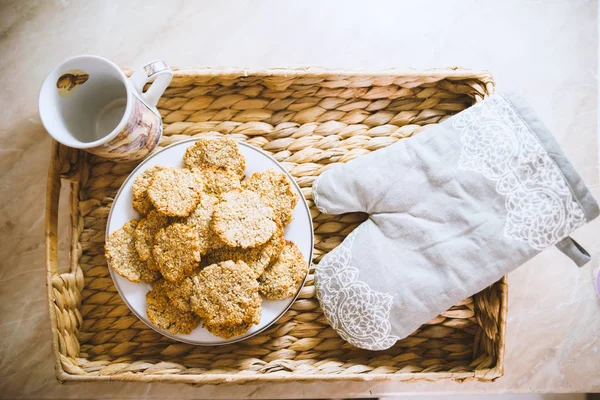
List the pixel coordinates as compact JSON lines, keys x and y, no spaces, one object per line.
{"x":309,"y":120}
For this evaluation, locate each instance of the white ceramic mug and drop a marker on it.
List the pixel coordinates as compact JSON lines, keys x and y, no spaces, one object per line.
{"x":88,"y":103}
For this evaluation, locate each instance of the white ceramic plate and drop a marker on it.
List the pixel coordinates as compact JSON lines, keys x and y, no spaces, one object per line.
{"x":299,"y":231}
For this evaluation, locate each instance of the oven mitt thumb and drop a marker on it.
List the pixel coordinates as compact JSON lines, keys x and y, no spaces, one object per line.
{"x":451,"y":211}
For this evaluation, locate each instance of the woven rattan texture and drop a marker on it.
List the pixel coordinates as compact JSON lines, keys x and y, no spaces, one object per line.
{"x":309,"y":121}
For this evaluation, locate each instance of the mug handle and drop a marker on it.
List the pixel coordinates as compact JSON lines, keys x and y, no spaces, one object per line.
{"x":163,"y":74}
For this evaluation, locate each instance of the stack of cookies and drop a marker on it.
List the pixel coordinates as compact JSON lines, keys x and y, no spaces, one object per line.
{"x":209,"y":241}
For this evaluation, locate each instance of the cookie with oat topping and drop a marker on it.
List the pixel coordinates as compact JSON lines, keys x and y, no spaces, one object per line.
{"x":217,"y":180}
{"x":166,"y":316}
{"x":144,"y":234}
{"x":201,"y":219}
{"x":230,"y":331}
{"x":257,"y":258}
{"x":175,"y":192}
{"x":226,"y":294}
{"x":281,"y":279}
{"x":243,"y":219}
{"x":141,"y":202}
{"x":180,"y":293}
{"x":222,"y":152}
{"x":124,"y":259}
{"x":176,"y":251}
{"x":276,"y":190}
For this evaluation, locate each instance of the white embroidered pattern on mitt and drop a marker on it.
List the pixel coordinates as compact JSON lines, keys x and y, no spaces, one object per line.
{"x":359,"y":314}
{"x":541,"y":209}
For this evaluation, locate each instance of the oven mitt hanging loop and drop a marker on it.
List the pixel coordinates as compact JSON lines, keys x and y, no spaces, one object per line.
{"x":451,"y":211}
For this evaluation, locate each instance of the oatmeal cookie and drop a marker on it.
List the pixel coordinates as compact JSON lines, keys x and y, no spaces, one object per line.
{"x":276,"y":190}
{"x":141,"y":202}
{"x":144,"y":234}
{"x":164,"y":315}
{"x":226,"y":294}
{"x":257,"y":258}
{"x":281,"y":279}
{"x":124,"y":259}
{"x":230,"y":331}
{"x":176,"y":251}
{"x":175,"y":192}
{"x":200,"y":220}
{"x":222,"y":152}
{"x":217,"y":180}
{"x":179,"y":293}
{"x":242,"y":219}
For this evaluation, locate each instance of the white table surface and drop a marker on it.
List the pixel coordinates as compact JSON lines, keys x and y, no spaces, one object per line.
{"x":547,"y":50}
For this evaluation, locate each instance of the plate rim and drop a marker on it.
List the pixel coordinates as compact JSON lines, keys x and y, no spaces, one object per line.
{"x":238,"y":339}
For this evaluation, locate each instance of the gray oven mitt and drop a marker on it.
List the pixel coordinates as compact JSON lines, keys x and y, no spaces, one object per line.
{"x":451,"y":211}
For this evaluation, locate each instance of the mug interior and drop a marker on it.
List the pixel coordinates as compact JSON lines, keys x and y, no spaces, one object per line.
{"x":83,"y":101}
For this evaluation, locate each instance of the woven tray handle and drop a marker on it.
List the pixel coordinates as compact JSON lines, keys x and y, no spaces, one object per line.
{"x":52,"y":197}
{"x":64,"y":289}
{"x":63,"y":165}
